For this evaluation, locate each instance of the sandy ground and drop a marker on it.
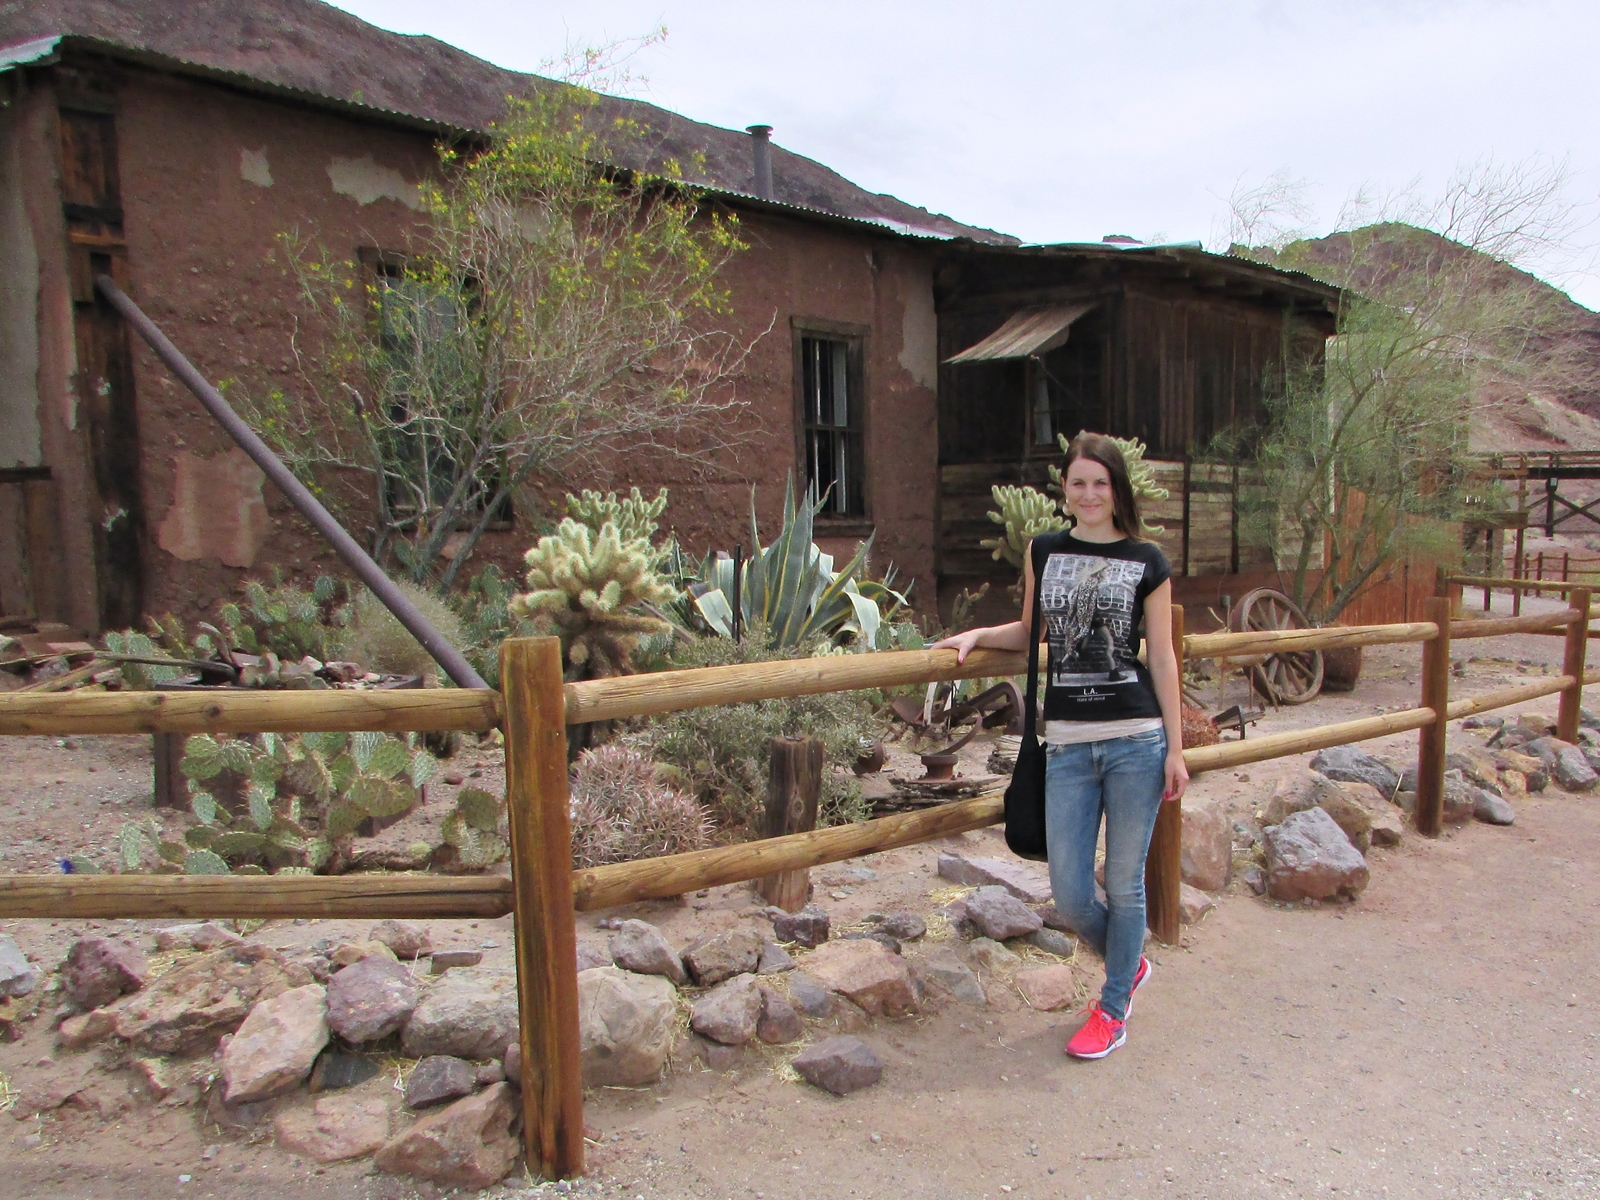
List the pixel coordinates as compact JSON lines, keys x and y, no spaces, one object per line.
{"x":1434,"y":1038}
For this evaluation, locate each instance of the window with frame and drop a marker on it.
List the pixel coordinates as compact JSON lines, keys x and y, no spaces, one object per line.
{"x":406,"y":316}
{"x":831,"y":412}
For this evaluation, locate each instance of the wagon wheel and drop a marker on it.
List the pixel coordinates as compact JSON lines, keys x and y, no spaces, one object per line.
{"x":1292,"y":677}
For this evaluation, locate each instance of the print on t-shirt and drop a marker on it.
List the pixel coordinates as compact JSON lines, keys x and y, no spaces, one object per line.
{"x":1088,"y":603}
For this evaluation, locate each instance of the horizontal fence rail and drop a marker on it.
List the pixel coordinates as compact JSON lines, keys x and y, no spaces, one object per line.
{"x":249,"y":710}
{"x":253,"y":897}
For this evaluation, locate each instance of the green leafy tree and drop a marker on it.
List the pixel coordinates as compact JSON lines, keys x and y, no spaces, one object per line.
{"x":552,"y":314}
{"x":1363,"y":456}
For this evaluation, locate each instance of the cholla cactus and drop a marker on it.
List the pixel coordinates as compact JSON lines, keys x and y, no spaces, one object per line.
{"x":1140,"y":475}
{"x":635,"y":517}
{"x":588,"y":586}
{"x":1025,"y":513}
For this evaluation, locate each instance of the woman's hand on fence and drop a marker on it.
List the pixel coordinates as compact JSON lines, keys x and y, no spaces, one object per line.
{"x":962,"y":643}
{"x":1177,"y":777}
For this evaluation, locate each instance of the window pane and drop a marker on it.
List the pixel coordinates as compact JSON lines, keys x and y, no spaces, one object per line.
{"x":841,"y":384}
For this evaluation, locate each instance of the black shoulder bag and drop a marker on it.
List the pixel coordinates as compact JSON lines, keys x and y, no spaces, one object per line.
{"x":1025,"y":795}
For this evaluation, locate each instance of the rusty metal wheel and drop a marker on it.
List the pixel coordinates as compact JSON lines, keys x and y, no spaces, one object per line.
{"x":1289,"y":678}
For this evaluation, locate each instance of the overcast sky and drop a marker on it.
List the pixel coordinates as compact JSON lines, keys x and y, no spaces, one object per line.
{"x":1066,"y":121}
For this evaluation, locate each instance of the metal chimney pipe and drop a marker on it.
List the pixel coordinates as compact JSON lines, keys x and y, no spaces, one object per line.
{"x":761,"y":153}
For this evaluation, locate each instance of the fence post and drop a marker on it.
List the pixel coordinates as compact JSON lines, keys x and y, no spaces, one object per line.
{"x":1572,"y":664}
{"x":794,"y":785}
{"x":1430,"y":738}
{"x":541,"y":874}
{"x":1517,"y":567}
{"x":1163,"y":866}
{"x":171,"y":787}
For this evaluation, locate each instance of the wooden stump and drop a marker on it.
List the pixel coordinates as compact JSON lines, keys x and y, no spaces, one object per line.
{"x":794,"y":783}
{"x":1163,"y":865}
{"x":171,"y":788}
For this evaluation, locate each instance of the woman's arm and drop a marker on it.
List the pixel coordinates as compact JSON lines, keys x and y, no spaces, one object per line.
{"x":1164,"y":673}
{"x":1012,"y":636}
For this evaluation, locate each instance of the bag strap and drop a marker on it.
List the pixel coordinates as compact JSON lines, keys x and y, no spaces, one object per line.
{"x":1030,"y":716}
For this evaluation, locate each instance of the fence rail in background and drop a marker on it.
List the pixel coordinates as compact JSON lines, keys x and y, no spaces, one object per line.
{"x":545,"y":891}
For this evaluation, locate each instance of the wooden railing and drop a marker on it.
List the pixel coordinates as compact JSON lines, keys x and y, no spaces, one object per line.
{"x":544,"y":891}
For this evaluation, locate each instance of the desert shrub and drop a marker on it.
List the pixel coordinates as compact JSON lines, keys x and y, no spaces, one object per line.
{"x":720,"y":753}
{"x":378,"y":641}
{"x":623,"y":810}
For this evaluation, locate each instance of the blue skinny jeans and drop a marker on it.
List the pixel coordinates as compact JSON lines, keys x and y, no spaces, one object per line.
{"x":1121,"y":779}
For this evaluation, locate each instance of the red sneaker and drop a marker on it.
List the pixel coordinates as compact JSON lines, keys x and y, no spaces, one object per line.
{"x":1139,"y":977}
{"x":1100,"y":1035}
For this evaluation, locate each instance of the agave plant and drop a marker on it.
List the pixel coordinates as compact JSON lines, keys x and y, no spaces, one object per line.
{"x":791,"y":589}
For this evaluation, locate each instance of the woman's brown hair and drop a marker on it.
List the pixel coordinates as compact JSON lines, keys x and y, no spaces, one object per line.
{"x":1097,"y":447}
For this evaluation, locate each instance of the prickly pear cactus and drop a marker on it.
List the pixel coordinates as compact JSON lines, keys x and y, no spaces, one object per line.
{"x":473,"y":829}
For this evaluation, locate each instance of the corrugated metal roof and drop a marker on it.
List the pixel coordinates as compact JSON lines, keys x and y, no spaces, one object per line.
{"x":1027,"y":333}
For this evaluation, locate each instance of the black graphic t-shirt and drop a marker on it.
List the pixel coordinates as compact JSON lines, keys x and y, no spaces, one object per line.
{"x":1092,"y":598}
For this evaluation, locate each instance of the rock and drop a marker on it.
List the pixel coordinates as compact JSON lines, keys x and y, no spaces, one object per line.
{"x":1573,"y":772}
{"x":1531,"y":767}
{"x":487,"y":1073}
{"x":1349,"y":814}
{"x":186,"y":1010}
{"x":866,"y":973}
{"x":349,"y":953}
{"x":406,"y":940}
{"x":809,"y":927}
{"x":1388,"y":826}
{"x":642,"y":948}
{"x":1514,"y":783}
{"x":1477,"y":765}
{"x":1537,"y":724}
{"x":1254,"y":878}
{"x":1460,"y":798}
{"x":468,"y":1013}
{"x":590,"y":957}
{"x":881,"y":936}
{"x":437,"y":1078}
{"x":205,"y":936}
{"x":774,"y":960}
{"x":729,"y":1012}
{"x":512,"y":1064}
{"x":990,"y":955}
{"x":1206,"y":857}
{"x":1350,"y":765}
{"x":470,"y":1144}
{"x":1053,"y":919}
{"x":1026,"y":883}
{"x":1590,"y":754}
{"x":956,"y":913}
{"x":1489,"y":722}
{"x":948,"y":973}
{"x":1544,"y":747}
{"x":18,"y":976}
{"x":717,"y":1056}
{"x":1301,"y":791}
{"x":904,"y":926}
{"x":840,"y":1065}
{"x":336,"y":1070}
{"x":809,"y":996}
{"x":334,"y":1128}
{"x":1047,"y":988}
{"x":1494,"y":810}
{"x":625,"y":1026}
{"x":275,"y":1047}
{"x":1308,"y":855}
{"x":1000,"y":915}
{"x":371,"y":999}
{"x":98,"y":970}
{"x":1053,"y":941}
{"x":713,"y":959}
{"x":86,"y":1029}
{"x":779,"y":1022}
{"x":1406,"y":800}
{"x":441,"y":961}
{"x":1192,"y":904}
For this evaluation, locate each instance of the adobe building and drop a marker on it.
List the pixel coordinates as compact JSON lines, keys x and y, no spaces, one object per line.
{"x":170,"y":145}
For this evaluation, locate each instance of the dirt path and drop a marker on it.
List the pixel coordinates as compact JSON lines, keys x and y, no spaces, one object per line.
{"x":1435,"y":1038}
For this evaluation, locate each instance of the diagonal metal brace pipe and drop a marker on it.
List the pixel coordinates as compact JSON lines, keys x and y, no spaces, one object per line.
{"x":453,"y":662}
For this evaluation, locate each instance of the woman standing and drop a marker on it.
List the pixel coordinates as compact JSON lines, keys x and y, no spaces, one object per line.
{"x":1112,"y":729}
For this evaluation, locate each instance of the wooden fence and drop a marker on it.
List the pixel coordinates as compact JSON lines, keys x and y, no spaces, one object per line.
{"x":544,"y":891}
